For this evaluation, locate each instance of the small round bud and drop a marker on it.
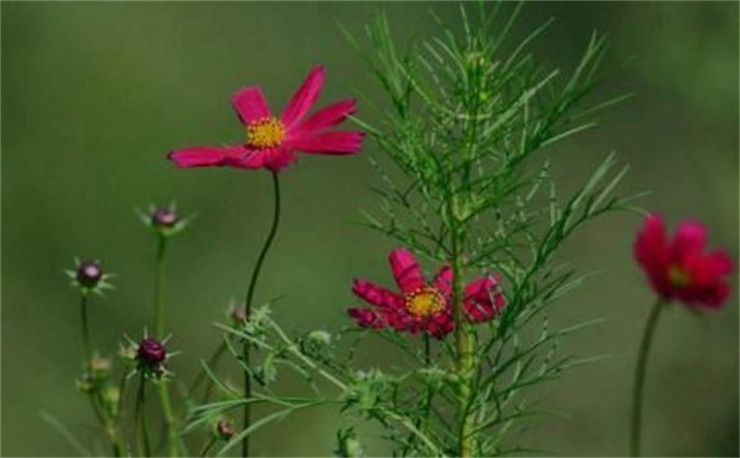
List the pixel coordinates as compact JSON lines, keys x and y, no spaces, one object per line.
{"x":164,"y":218}
{"x":101,"y":367}
{"x":85,"y":384}
{"x":225,"y":429}
{"x":239,"y":315}
{"x":151,"y":352}
{"x":89,"y":274}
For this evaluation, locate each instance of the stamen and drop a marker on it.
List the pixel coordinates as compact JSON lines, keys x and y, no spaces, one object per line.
{"x":424,"y":302}
{"x":678,"y":277}
{"x":265,"y":133}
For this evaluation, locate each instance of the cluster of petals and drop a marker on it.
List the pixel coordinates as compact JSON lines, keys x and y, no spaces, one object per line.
{"x":680,"y":268}
{"x":271,"y":141}
{"x":423,"y":306}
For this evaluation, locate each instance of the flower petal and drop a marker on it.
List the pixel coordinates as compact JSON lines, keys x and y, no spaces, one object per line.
{"x":689,"y":239}
{"x":328,"y":116}
{"x":275,"y":159}
{"x":376,"y":295}
{"x":483,"y":301}
{"x":443,"y":280}
{"x":304,"y":98}
{"x":406,"y":271}
{"x":205,"y":156}
{"x":342,"y":142}
{"x":368,"y":318}
{"x":250,"y":104}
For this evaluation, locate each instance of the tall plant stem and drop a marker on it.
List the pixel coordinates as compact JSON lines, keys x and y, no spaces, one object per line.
{"x":637,"y":394}
{"x":86,"y":348}
{"x":159,"y":316}
{"x":410,"y":442}
{"x":159,"y":312}
{"x":464,"y":344}
{"x":142,"y":433}
{"x":248,"y":305}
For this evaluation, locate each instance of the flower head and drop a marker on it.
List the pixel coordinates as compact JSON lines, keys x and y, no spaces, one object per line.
{"x":680,"y":268}
{"x":151,"y":352}
{"x":89,"y":277}
{"x":423,"y":306}
{"x":271,"y":141}
{"x":164,"y":220}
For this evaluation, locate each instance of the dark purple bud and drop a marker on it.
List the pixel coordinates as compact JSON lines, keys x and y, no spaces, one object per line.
{"x":164,"y":217}
{"x":151,"y":352}
{"x":225,"y":429}
{"x":89,"y":273}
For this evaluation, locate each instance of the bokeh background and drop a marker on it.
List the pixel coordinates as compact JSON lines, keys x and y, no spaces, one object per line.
{"x":94,"y":95}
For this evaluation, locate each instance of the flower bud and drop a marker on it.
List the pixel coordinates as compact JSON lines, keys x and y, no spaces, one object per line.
{"x":85,"y":384}
{"x":164,"y":218}
{"x":239,"y":315}
{"x":151,"y":352}
{"x":89,"y":274}
{"x":225,"y":429}
{"x":101,"y":368}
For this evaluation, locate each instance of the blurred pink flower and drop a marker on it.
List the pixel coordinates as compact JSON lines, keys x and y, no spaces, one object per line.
{"x":423,"y":306}
{"x":270,"y":140}
{"x":680,"y":268}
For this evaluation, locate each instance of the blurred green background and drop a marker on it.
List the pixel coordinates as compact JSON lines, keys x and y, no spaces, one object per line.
{"x":95,"y":94}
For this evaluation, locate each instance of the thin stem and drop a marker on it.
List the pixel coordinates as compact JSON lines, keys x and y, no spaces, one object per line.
{"x":86,"y":348}
{"x":211,"y":363}
{"x":208,"y":446}
{"x":248,"y":305}
{"x":647,"y":339}
{"x":159,"y":311}
{"x":142,"y":436}
{"x":428,"y":401}
{"x":159,"y":316}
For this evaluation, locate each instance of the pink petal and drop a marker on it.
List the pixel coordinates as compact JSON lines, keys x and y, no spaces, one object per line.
{"x":443,"y":280}
{"x":376,"y":295}
{"x":275,"y":159}
{"x":483,"y":301}
{"x":406,"y":271}
{"x":305,"y":97}
{"x":250,"y":104}
{"x":342,"y":142}
{"x":368,"y":318}
{"x":205,"y":156}
{"x":329,"y":116}
{"x":690,"y":238}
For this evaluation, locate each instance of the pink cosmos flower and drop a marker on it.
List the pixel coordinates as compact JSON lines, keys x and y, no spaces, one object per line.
{"x":423,"y":306}
{"x":272,"y":140}
{"x":680,"y":268}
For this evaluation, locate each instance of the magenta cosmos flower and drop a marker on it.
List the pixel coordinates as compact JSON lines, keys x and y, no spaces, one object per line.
{"x":271,"y":141}
{"x":423,"y":306}
{"x":680,"y":268}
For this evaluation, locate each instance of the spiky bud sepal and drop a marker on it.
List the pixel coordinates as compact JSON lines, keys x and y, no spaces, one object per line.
{"x":89,"y":277}
{"x":164,"y":220}
{"x":149,"y":356}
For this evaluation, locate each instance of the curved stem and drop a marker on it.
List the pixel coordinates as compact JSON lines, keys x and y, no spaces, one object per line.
{"x":637,"y":397}
{"x":208,"y":446}
{"x":248,"y":304}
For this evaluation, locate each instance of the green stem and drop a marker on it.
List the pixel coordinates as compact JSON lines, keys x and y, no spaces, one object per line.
{"x":159,"y":317}
{"x":464,"y":344}
{"x":248,"y":305}
{"x":142,"y":436}
{"x":410,"y":442}
{"x":211,"y":363}
{"x":647,"y":339}
{"x":86,"y":335}
{"x":159,"y":311}
{"x":208,"y":446}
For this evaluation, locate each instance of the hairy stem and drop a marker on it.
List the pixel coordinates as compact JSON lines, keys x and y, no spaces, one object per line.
{"x":642,"y":359}
{"x":248,"y":305}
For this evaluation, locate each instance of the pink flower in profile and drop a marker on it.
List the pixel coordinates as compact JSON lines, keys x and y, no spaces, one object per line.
{"x":423,"y":306}
{"x":271,"y":141}
{"x":680,"y":268}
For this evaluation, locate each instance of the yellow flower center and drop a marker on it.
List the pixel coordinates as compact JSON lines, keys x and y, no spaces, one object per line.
{"x":265,"y":133}
{"x":424,"y":302}
{"x":678,"y":277}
